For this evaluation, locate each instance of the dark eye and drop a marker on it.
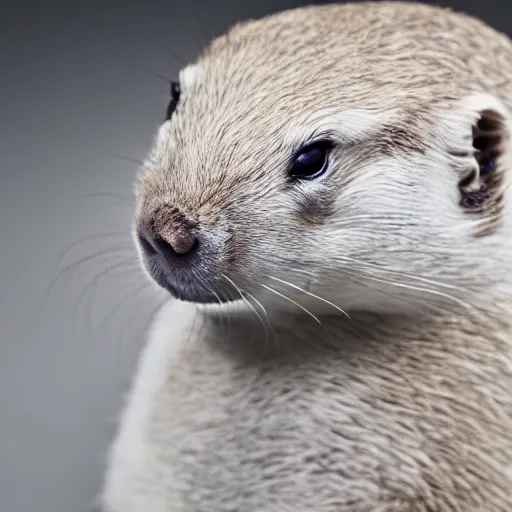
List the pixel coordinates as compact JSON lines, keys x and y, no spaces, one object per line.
{"x":311,"y":161}
{"x":173,"y":102}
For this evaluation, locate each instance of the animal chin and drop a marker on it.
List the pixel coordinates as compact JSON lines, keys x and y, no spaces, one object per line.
{"x":197,"y":296}
{"x":184,"y":286}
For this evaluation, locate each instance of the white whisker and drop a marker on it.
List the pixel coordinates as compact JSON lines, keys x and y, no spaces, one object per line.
{"x":419,"y":289}
{"x":402,"y":274}
{"x":242,"y":294}
{"x":222,"y":315}
{"x":310,"y":294}
{"x":264,"y":311}
{"x":291,"y":300}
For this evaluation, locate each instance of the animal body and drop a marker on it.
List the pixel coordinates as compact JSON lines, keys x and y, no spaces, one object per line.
{"x":327,"y":203}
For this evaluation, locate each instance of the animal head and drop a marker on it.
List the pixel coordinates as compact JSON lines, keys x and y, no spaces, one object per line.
{"x":342,"y":156}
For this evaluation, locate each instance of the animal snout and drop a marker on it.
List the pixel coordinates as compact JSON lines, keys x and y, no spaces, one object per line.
{"x":179,"y":254}
{"x":168,"y":234}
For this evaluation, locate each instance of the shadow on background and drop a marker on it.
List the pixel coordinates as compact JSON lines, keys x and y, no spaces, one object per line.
{"x":82,"y":94}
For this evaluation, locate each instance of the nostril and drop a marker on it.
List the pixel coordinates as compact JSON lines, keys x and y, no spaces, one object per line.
{"x":174,"y":245}
{"x":146,"y":245}
{"x":182,"y":240}
{"x":175,"y":250}
{"x":195,"y":245}
{"x":164,"y":248}
{"x":168,"y":233}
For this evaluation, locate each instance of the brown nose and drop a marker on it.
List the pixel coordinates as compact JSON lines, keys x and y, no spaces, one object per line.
{"x":179,"y":236}
{"x":170,"y":234}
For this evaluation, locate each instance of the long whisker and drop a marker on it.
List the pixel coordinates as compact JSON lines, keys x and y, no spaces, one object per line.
{"x":402,"y":274}
{"x":311,"y":294}
{"x":111,"y":195}
{"x":164,"y":78}
{"x":240,"y":291}
{"x":97,"y":236}
{"x":89,"y":258}
{"x":420,"y":289}
{"x":91,"y":287}
{"x":125,"y":333}
{"x":291,"y":300}
{"x":134,"y":293}
{"x":166,"y":51}
{"x":417,"y":302}
{"x":242,"y":295}
{"x":266,"y":315}
{"x":200,"y":44}
{"x":224,"y":317}
{"x":355,"y":275}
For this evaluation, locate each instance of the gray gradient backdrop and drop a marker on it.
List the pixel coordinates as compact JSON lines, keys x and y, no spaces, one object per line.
{"x":80,"y":98}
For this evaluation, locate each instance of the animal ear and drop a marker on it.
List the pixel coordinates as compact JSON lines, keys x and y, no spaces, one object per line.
{"x":486,"y":160}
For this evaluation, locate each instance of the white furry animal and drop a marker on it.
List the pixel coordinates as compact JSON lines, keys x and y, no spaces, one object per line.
{"x":336,"y":178}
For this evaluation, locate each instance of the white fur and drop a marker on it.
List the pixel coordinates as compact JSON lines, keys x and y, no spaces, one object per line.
{"x":280,"y":402}
{"x":132,"y":456}
{"x":154,"y":475}
{"x":189,"y":76}
{"x":351,"y":125}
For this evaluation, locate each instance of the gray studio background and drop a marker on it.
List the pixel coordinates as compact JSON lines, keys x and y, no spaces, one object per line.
{"x":80,"y":100}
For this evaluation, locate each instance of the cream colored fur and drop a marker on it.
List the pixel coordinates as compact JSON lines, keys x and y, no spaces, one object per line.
{"x":263,"y":406}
